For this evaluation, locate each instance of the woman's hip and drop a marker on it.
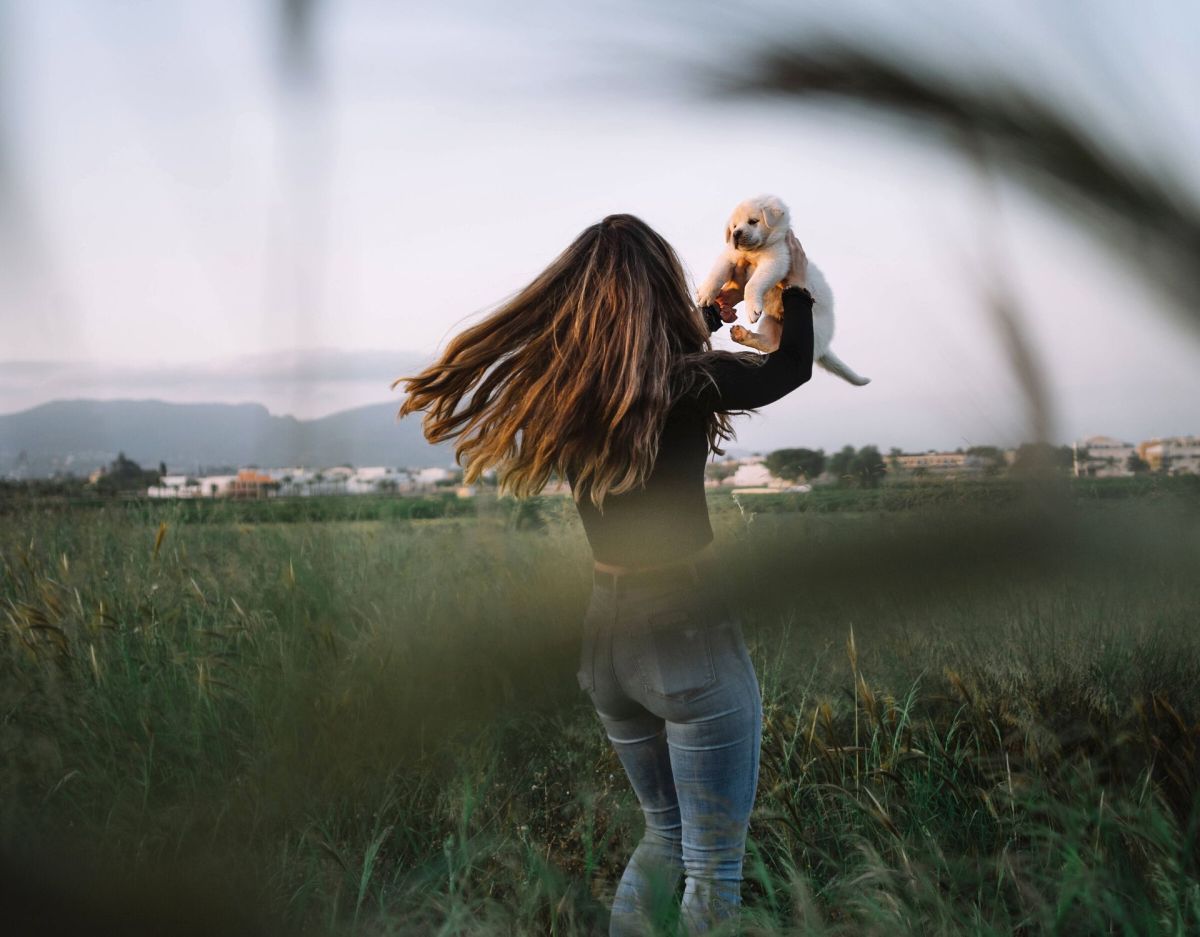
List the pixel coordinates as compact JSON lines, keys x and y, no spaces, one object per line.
{"x":678,"y":650}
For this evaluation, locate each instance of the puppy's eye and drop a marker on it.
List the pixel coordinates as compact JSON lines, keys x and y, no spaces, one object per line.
{"x":753,"y":221}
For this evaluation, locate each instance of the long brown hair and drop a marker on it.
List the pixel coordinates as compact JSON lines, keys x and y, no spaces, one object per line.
{"x":574,"y":375}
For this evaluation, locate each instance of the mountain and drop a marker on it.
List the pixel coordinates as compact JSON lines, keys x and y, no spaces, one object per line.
{"x":81,"y":435}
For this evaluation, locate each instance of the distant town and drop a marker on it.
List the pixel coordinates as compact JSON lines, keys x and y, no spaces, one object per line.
{"x":781,"y":470}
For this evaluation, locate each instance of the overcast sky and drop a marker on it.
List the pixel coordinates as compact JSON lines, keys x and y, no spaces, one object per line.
{"x":180,"y":223}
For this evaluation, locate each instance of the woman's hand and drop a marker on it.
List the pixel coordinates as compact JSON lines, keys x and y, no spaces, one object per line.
{"x":798,"y":271}
{"x":726,"y":300}
{"x":732,"y":292}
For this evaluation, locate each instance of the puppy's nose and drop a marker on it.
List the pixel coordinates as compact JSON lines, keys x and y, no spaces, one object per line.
{"x":737,"y":236}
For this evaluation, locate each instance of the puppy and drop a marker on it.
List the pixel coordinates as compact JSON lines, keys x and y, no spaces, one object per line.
{"x":758,"y":256}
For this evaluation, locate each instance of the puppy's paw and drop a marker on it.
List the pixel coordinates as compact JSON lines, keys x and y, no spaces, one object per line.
{"x":754,"y":314}
{"x":739,"y":333}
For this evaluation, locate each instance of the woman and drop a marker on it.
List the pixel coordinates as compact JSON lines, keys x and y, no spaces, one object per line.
{"x":601,"y":371}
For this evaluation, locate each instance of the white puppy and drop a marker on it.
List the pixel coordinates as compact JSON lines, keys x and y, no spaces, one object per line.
{"x":757,"y":238}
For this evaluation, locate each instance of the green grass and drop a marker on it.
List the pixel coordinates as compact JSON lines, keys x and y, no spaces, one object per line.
{"x":18,"y":499}
{"x":371,"y":725}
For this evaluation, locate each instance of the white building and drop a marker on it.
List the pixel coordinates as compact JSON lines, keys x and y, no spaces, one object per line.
{"x":174,"y":486}
{"x":939,"y":463}
{"x":1102,"y":457}
{"x":292,"y":475}
{"x":331,"y":481}
{"x":1181,"y":454}
{"x":213,"y":486}
{"x":431,"y":476}
{"x":374,"y":479}
{"x":191,"y":486}
{"x":754,"y":476}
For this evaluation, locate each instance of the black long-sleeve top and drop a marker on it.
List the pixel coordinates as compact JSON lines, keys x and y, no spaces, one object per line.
{"x":667,"y":519}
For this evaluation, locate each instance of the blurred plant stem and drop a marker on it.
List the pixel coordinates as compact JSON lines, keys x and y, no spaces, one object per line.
{"x":1150,"y":220}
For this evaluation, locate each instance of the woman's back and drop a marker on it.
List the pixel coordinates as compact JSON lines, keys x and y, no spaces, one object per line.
{"x":667,"y":518}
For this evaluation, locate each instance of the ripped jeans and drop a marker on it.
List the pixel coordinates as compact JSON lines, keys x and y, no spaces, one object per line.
{"x":668,"y":672}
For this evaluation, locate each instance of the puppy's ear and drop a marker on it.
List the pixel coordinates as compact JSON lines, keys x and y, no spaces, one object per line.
{"x":729,"y":233}
{"x":774,"y":211}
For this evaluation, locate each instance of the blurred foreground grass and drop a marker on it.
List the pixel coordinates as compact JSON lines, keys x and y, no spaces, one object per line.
{"x":373,"y":726}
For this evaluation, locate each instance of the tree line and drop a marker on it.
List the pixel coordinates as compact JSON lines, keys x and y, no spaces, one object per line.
{"x":863,"y":467}
{"x":867,"y":467}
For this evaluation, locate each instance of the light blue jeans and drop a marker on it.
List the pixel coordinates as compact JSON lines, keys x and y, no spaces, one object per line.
{"x":668,"y":672}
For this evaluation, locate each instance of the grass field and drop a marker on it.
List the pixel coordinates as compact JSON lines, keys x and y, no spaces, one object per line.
{"x":980,"y":717}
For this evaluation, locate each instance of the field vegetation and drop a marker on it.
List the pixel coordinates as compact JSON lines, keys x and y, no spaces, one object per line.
{"x":980,"y":716}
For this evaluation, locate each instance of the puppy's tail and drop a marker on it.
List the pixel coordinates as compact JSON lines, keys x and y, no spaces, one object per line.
{"x":835,"y":365}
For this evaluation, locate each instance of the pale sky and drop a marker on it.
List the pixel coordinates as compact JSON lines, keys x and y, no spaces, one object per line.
{"x":185,"y":228}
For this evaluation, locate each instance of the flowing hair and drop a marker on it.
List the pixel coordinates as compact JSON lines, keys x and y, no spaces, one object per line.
{"x":574,"y":376}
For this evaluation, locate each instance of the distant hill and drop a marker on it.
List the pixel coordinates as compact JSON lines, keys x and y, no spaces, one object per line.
{"x":81,"y":435}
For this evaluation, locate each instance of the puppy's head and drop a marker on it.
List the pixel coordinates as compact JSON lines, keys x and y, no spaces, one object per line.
{"x":757,"y":222}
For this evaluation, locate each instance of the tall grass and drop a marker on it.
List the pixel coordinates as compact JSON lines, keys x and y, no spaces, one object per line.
{"x":374,"y":727}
